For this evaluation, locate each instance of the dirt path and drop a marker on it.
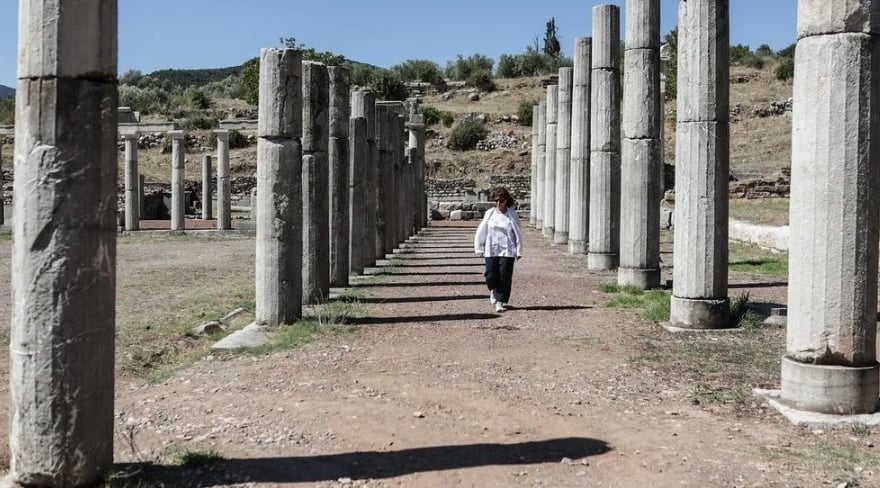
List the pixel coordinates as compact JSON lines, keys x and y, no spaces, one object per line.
{"x":431,"y":388}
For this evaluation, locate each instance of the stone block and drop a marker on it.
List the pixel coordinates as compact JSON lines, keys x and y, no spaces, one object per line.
{"x":703,"y":61}
{"x":605,"y":111}
{"x":280,"y":93}
{"x":643,"y":24}
{"x":606,"y":37}
{"x":818,"y":17}
{"x":642,"y":117}
{"x":316,"y":107}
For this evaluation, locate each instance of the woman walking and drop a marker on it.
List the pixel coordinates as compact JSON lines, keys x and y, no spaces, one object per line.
{"x":499,"y":239}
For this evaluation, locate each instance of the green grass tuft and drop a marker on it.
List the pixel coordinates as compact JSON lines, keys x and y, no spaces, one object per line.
{"x":654,"y":303}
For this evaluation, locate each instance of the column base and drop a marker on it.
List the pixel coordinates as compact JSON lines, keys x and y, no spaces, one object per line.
{"x":645,"y":279}
{"x":548,"y":232}
{"x":578,"y":247}
{"x":560,"y":238}
{"x":539,"y":224}
{"x":699,"y":313}
{"x":838,"y":390}
{"x":601,"y":261}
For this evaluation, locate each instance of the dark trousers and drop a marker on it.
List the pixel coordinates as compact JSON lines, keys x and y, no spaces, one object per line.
{"x":499,"y":277}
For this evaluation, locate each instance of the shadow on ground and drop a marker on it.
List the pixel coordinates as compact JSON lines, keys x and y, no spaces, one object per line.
{"x":413,"y":319}
{"x":361,"y":465}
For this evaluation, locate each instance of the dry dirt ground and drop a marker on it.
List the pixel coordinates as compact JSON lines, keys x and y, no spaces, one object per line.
{"x":426,"y":386}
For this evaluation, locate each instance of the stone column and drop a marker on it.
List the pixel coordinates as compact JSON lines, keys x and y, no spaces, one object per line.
{"x":538,"y":200}
{"x":132,"y":206}
{"x":641,"y":155}
{"x":207,"y":189}
{"x":699,"y":293}
{"x":140,"y":195}
{"x":2,"y":217}
{"x":563,"y":158}
{"x":178,"y":175}
{"x":357,"y":195}
{"x":385,"y":120}
{"x":533,"y":169}
{"x":316,"y":183}
{"x":549,"y":190}
{"x":417,"y":129}
{"x":579,"y":223}
{"x":224,"y":190}
{"x":830,"y":365}
{"x":279,"y":191}
{"x":340,"y":113}
{"x":64,"y":247}
{"x":604,"y":236}
{"x":401,"y":192}
{"x":365,"y":162}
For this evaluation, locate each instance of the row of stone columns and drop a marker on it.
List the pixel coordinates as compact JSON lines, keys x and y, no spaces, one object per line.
{"x":134,"y":189}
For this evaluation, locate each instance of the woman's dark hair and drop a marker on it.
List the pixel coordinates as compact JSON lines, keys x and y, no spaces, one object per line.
{"x":502,"y":192}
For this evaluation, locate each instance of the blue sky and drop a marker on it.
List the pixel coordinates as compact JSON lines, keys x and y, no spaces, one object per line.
{"x":156,"y":34}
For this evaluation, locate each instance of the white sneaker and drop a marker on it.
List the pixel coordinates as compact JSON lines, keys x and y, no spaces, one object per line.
{"x":499,"y":307}
{"x":492,"y":299}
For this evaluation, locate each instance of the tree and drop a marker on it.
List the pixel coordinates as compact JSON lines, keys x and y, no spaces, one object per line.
{"x":250,"y":80}
{"x":328,"y":58}
{"x":671,"y":70}
{"x":552,"y":47}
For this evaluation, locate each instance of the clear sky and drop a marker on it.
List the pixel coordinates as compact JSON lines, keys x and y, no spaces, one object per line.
{"x":157,"y":34}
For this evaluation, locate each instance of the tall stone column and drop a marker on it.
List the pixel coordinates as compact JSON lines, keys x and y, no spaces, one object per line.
{"x":830,"y":365}
{"x":224,"y":189}
{"x":604,"y":233}
{"x":316,"y":182}
{"x":533,"y":169}
{"x":132,"y":205}
{"x":417,"y":129}
{"x":699,"y":293}
{"x":549,"y":190}
{"x":279,"y":191}
{"x":365,"y":162}
{"x":401,"y":194}
{"x":207,"y":188}
{"x":538,"y":200}
{"x":579,"y":223}
{"x":178,"y":175}
{"x":140,"y":195}
{"x":385,"y":120}
{"x":340,"y":113}
{"x":64,"y":247}
{"x":641,"y":154}
{"x":2,"y":210}
{"x":357,"y":195}
{"x":563,"y":158}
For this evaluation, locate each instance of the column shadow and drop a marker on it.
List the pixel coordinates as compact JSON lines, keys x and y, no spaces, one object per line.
{"x":420,"y":299}
{"x":433,"y":283}
{"x":360,"y":465}
{"x":416,"y":319}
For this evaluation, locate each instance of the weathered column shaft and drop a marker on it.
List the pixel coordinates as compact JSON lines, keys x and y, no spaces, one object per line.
{"x":549,"y":190}
{"x":279,"y":191}
{"x":385,"y":122}
{"x":357,"y":195}
{"x":224,"y":189}
{"x":207,"y":188}
{"x":140,"y":195}
{"x":563,"y":158}
{"x":699,"y":294}
{"x":604,"y":234}
{"x":533,"y":169}
{"x":2,"y":210}
{"x":541,"y":170}
{"x":132,"y":205}
{"x":178,"y":180}
{"x":316,"y":183}
{"x":339,"y":178}
{"x":417,"y":128}
{"x":579,"y":219}
{"x":830,"y":364}
{"x":364,"y":105}
{"x":641,"y":155}
{"x":64,"y":247}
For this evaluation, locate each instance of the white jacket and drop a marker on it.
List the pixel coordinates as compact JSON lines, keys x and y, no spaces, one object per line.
{"x":484,"y":240}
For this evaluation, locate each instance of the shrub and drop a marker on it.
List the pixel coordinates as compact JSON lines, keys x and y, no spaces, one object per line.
{"x":524,"y":112}
{"x":199,"y":100}
{"x":785,"y":69}
{"x":764,"y":50}
{"x":467,"y":134}
{"x":7,"y":110}
{"x":388,"y":86}
{"x":432,"y":115}
{"x":753,"y":61}
{"x":448,"y":119}
{"x":199,"y":122}
{"x":419,"y":70}
{"x":462,"y":68}
{"x":481,"y":80}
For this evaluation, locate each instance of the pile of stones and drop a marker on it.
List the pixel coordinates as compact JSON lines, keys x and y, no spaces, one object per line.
{"x":779,"y":107}
{"x":498,"y":140}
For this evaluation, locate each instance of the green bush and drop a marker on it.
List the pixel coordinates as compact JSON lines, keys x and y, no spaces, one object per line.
{"x":481,"y":80}
{"x":524,"y":112}
{"x":463,"y":67}
{"x":432,"y":115}
{"x":785,"y":69}
{"x":467,"y":134}
{"x":448,"y":119}
{"x":199,"y":122}
{"x":753,"y":61}
{"x":419,"y":70}
{"x":7,"y":110}
{"x":388,"y":86}
{"x":199,"y":100}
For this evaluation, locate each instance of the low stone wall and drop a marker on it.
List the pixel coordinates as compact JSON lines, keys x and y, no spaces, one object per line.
{"x":768,"y":237}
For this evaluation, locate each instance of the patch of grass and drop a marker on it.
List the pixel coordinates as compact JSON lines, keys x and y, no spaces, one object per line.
{"x":769,"y":266}
{"x":198,"y":458}
{"x":289,"y":337}
{"x":703,"y":394}
{"x":654,"y":303}
{"x":6,"y":236}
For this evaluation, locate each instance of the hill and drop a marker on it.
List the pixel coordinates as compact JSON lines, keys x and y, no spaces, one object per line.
{"x":195,"y":77}
{"x":6,"y":91}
